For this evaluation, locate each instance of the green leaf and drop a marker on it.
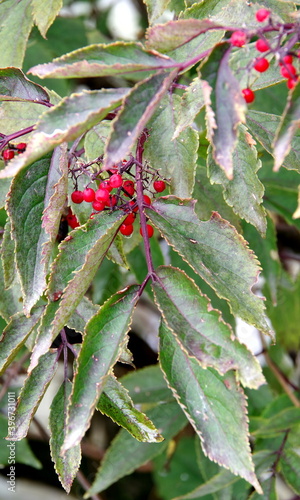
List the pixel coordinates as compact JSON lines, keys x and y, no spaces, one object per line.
{"x":263,"y":126}
{"x":82,"y":314}
{"x":19,"y":115}
{"x":156,"y":8}
{"x":68,"y":465}
{"x":225,"y":106}
{"x":105,"y":335}
{"x":10,"y":299}
{"x":95,"y":140}
{"x":288,"y":127}
{"x":175,"y":159}
{"x":191,"y":104}
{"x":44,"y":13}
{"x":147,"y":385}
{"x":244,"y":193}
{"x":269,"y":490}
{"x":279,"y":423}
{"x":15,"y":27}
{"x":199,"y":328}
{"x":125,"y":453}
{"x":167,"y":37}
{"x":72,"y":273}
{"x":117,"y":404}
{"x":73,"y":116}
{"x":218,"y":482}
{"x":137,"y":109}
{"x":32,"y":392}
{"x":8,"y":256}
{"x":22,"y":451}
{"x":216,"y":252}
{"x":290,"y":461}
{"x":15,"y":335}
{"x":215,"y":407}
{"x":14,"y":86}
{"x":31,"y":191}
{"x":103,"y":60}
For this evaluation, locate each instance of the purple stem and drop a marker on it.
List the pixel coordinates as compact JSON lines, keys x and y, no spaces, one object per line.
{"x":15,"y":135}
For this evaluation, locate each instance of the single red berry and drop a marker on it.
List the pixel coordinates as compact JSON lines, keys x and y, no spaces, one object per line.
{"x":77,"y":196}
{"x":102,"y":195}
{"x":150,"y":231}
{"x":72,"y":220}
{"x":129,"y":219}
{"x":21,"y":146}
{"x":288,"y":59}
{"x":112,"y":201}
{"x":128,"y":186}
{"x":126,"y":230}
{"x":8,"y":154}
{"x":88,"y":194}
{"x":291,"y":83}
{"x":147,"y":200}
{"x":288,"y":71}
{"x":159,"y":186}
{"x":238,"y":38}
{"x":248,"y":95}
{"x":261,"y":64}
{"x":116,"y":181}
{"x":262,"y":45}
{"x":98,"y":205}
{"x":262,"y":15}
{"x":106,"y":185}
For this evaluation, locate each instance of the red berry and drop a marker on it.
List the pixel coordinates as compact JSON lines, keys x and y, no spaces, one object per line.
{"x":72,"y":220}
{"x":288,"y":71}
{"x":21,"y":146}
{"x":116,"y":181}
{"x":238,"y":38}
{"x":113,"y":200}
{"x":159,"y":186}
{"x":261,"y":15}
{"x":288,"y":59}
{"x":291,"y":83}
{"x":88,"y":194}
{"x":106,"y":185}
{"x":262,"y":45}
{"x":132,"y":203}
{"x":77,"y":196}
{"x":128,"y":186}
{"x":98,"y":205}
{"x":8,"y":154}
{"x":147,"y":200}
{"x":126,"y":230}
{"x":102,"y":195}
{"x":150,"y":231}
{"x":248,"y":95}
{"x":129,"y":219}
{"x":261,"y":64}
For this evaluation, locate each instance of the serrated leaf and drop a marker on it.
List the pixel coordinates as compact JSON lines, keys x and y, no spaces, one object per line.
{"x":14,"y":86}
{"x":116,"y":403}
{"x":279,"y":423}
{"x":32,"y":392}
{"x":15,"y":335}
{"x":44,"y":13}
{"x":103,"y":60}
{"x":173,"y":34}
{"x":125,"y":453}
{"x":199,"y":328}
{"x":105,"y":334}
{"x":66,"y":466}
{"x":191,"y":104}
{"x":215,"y":406}
{"x":72,"y":273}
{"x":156,"y":8}
{"x":8,"y":255}
{"x":147,"y":385}
{"x":244,"y":192}
{"x":225,"y":106}
{"x":15,"y":19}
{"x":74,"y":115}
{"x":263,"y":126}
{"x":288,"y":126}
{"x":82,"y":314}
{"x":137,"y":109}
{"x":269,"y":490}
{"x":175,"y":159}
{"x":216,"y":252}
{"x":31,"y":190}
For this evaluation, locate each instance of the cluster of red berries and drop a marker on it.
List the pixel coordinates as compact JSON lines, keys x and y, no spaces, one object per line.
{"x":261,"y":64}
{"x":9,"y":153}
{"x":103,"y":199}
